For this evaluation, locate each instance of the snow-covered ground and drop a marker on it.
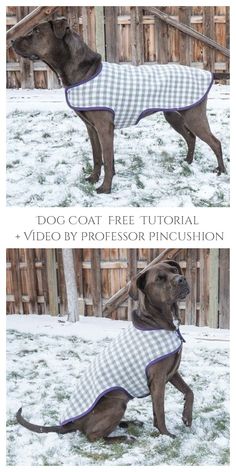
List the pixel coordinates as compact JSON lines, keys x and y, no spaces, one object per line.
{"x":49,"y":157}
{"x":44,"y":361}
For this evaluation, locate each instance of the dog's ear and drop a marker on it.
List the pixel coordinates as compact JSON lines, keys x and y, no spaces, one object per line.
{"x":174,"y":264}
{"x":137,"y":283}
{"x":59,"y":26}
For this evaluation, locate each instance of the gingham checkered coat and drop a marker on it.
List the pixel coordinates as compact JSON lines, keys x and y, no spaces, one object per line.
{"x":122,"y":365}
{"x":132,"y":92}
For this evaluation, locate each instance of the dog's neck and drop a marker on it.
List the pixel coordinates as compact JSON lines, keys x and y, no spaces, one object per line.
{"x":71,"y":71}
{"x":148,"y":316}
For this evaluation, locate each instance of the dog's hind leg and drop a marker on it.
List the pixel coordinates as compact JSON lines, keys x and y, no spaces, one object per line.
{"x":196,"y":121}
{"x":105,"y":417}
{"x":178,"y":382}
{"x":176,"y":120}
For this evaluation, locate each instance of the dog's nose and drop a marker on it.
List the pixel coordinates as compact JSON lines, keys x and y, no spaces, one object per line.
{"x":181,"y":280}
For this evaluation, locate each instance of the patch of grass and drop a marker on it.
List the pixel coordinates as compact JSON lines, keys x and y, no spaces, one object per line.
{"x":18,"y":136}
{"x":138,"y":182}
{"x":41,"y":179}
{"x":225,"y":457}
{"x":25,"y":352}
{"x":136,"y":164}
{"x":186,"y":170}
{"x":62,"y":162}
{"x":34,"y":198}
{"x":86,"y":187}
{"x":46,"y":135}
{"x":71,"y":131}
{"x":66,"y":202}
{"x":13,"y":164}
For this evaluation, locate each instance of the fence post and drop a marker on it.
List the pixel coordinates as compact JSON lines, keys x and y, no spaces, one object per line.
{"x":213,"y":288}
{"x":100,"y":31}
{"x":136,"y":35}
{"x":161,"y":29}
{"x":208,"y":30}
{"x":71,"y":284}
{"x":52,"y":281}
{"x":31,"y":281}
{"x":112,"y":54}
{"x":184,"y":40}
{"x":224,"y":284}
{"x":16,"y":280}
{"x":132,"y":271}
{"x":191,"y":275}
{"x":96,"y":283}
{"x":203,"y":286}
{"x":52,"y":79}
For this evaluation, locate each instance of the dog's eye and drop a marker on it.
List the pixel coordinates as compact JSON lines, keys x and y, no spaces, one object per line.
{"x":36,"y":30}
{"x":161,"y":277}
{"x":175,"y":270}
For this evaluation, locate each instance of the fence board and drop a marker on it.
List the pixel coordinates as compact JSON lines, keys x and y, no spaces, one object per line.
{"x":136,"y":35}
{"x":224,"y":284}
{"x":191,"y":275}
{"x":162,"y":40}
{"x":213,"y":288}
{"x":36,"y":284}
{"x":111,"y":34}
{"x":185,"y":41}
{"x":52,"y":281}
{"x":96,"y":282}
{"x":132,"y":271}
{"x":208,"y":30}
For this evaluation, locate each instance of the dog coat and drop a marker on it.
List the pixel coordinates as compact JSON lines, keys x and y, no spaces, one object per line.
{"x":122,"y":366}
{"x":133,"y":92}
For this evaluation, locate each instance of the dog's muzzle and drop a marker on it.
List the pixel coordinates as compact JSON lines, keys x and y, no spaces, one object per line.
{"x":182,"y":287}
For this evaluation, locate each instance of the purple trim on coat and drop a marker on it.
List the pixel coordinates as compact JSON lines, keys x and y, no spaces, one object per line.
{"x":104,"y":392}
{"x":83,"y":81}
{"x":159,"y":329}
{"x":162,"y":357}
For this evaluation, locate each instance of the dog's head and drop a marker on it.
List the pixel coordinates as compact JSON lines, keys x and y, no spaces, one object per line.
{"x":46,"y":38}
{"x":161,"y":284}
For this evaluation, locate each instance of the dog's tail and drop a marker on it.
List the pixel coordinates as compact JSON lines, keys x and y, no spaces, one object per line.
{"x":39,"y":429}
{"x":221,"y":75}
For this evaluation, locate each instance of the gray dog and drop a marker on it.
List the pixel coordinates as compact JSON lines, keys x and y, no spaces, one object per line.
{"x":108,"y":96}
{"x":139,"y":362}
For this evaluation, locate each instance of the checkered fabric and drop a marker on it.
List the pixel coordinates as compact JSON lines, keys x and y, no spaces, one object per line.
{"x":122,"y":365}
{"x":132,"y":92}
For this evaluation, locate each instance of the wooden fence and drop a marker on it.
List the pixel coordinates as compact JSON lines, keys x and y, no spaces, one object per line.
{"x":130,"y":34}
{"x":35,"y":281}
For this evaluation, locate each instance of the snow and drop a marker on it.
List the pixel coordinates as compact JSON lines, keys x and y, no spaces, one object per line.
{"x":45,"y":356}
{"x":49,"y":156}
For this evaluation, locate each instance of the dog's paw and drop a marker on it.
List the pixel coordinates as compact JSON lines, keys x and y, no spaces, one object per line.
{"x":92,"y":179}
{"x":103,"y":189}
{"x":187,"y":421}
{"x":220,"y":170}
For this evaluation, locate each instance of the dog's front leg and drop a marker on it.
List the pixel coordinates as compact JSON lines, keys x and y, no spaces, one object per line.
{"x":157,"y":382}
{"x":105,"y":131}
{"x":181,"y":385}
{"x":97,"y":154}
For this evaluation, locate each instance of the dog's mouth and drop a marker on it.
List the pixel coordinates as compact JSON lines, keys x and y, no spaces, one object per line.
{"x":183,"y":293}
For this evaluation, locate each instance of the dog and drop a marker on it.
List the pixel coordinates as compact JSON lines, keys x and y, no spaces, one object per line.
{"x":139,"y":362}
{"x":82,"y":72}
